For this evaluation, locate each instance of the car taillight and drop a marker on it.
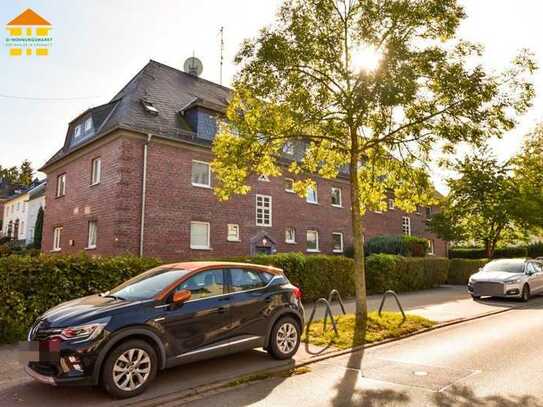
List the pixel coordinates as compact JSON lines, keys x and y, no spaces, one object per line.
{"x":297,"y":293}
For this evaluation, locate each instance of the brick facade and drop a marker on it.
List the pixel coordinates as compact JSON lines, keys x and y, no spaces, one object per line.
{"x":173,"y":202}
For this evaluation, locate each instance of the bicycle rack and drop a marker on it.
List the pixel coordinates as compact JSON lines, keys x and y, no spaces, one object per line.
{"x":328,"y":311}
{"x":393,"y":294}
{"x":333,"y":293}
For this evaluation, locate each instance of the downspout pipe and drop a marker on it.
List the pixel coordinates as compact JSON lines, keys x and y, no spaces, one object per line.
{"x":144,"y":191}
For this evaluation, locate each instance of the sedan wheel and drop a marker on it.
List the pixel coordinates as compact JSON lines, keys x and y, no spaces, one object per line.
{"x":285,"y":338}
{"x":525,"y":296}
{"x":129,"y":368}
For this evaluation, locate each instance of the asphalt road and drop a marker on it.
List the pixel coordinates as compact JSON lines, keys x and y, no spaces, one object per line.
{"x":494,"y":361}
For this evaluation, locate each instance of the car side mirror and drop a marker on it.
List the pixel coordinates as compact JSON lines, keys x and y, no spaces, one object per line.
{"x":181,"y":296}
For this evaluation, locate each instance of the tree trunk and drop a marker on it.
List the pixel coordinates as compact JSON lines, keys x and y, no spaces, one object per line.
{"x":358,"y":247}
{"x":489,"y":251}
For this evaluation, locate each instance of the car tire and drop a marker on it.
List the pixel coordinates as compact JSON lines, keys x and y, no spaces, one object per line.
{"x":525,"y":295}
{"x":284,"y":338}
{"x":129,"y":369}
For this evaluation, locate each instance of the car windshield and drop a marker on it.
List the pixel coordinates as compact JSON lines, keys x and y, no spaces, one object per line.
{"x":508,"y":266}
{"x":146,"y":285}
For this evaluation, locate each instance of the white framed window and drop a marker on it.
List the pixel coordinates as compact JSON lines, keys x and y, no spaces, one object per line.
{"x":337,"y":240}
{"x":57,"y":232}
{"x":312,"y":237}
{"x":290,"y":235}
{"x":92,"y":234}
{"x":390,"y":203}
{"x":233,"y":233}
{"x":428,"y":212}
{"x":336,"y":197}
{"x":199,"y":235}
{"x":77,"y":131}
{"x":61,"y":185}
{"x":288,"y":148}
{"x":431,"y":247}
{"x":289,"y":185}
{"x":311,"y":195}
{"x":96,"y":171}
{"x":88,"y":124}
{"x":201,"y":174}
{"x":406,"y":225}
{"x":263,"y":210}
{"x":264,"y":178}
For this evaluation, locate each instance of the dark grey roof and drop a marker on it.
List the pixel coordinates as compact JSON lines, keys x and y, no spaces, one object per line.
{"x":170,"y":91}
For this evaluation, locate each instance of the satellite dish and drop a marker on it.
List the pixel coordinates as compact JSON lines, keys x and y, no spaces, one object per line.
{"x":193,"y":66}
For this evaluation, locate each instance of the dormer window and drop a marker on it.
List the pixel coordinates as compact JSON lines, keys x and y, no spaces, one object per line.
{"x":77,"y":131}
{"x":88,"y":124}
{"x":149,"y":107}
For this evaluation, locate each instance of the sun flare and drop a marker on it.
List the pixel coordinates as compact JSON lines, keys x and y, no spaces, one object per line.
{"x":365,"y":58}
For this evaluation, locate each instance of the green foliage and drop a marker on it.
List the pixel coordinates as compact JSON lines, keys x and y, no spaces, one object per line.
{"x":31,"y":285}
{"x":21,"y":175}
{"x":481,"y":205}
{"x":300,"y":84}
{"x":401,"y":274}
{"x":461,"y":269}
{"x":499,"y":253}
{"x":38,"y":229}
{"x":408,"y":246}
{"x":535,"y":250}
{"x":388,"y":325}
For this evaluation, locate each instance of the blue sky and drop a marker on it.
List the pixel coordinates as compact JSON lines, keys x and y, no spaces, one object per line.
{"x":99,"y":45}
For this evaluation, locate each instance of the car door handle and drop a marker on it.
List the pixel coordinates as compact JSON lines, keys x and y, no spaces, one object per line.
{"x":221,"y":310}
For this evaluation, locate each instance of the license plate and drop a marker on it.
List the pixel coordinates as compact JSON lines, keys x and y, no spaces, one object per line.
{"x":39,"y":351}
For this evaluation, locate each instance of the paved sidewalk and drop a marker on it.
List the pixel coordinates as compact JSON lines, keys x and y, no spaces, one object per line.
{"x":16,"y":389}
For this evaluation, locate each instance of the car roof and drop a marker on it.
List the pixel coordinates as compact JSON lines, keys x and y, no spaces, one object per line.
{"x":202,"y":265}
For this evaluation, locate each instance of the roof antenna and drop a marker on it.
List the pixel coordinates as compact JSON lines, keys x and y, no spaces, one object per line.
{"x":221,"y":33}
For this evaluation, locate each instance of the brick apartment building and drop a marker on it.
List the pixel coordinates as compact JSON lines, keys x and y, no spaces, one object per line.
{"x":133,"y":176}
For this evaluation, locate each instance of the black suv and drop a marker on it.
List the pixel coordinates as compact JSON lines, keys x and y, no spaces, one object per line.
{"x":169,"y":315}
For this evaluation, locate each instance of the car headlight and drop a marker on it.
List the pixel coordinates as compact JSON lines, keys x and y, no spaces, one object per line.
{"x":85,"y":332}
{"x":513,"y":281}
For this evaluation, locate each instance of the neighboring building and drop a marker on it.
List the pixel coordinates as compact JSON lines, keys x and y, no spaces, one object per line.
{"x":100,"y":197}
{"x":21,"y":211}
{"x":6,"y":190}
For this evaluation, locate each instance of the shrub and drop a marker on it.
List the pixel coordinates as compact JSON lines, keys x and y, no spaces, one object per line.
{"x":401,"y":274}
{"x":461,"y":269}
{"x":466,"y":253}
{"x":408,"y":246}
{"x":535,"y":249}
{"x":479,"y":253}
{"x":510,"y":251}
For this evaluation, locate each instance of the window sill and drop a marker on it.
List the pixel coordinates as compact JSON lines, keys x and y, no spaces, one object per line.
{"x":96,"y":183}
{"x":201,"y":186}
{"x":200,"y":248}
{"x":263,"y":226}
{"x":234,"y":240}
{"x":90,"y":248}
{"x":60,"y":196}
{"x":291,"y":242}
{"x":313,"y":250}
{"x":337,"y":206}
{"x":337,"y":251}
{"x":312,"y":203}
{"x":55,"y":250}
{"x":290,"y":191}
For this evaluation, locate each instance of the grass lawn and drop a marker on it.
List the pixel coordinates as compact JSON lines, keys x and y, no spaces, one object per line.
{"x":389,"y":325}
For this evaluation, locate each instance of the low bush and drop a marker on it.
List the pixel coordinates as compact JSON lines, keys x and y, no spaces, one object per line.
{"x":408,"y":246}
{"x":510,"y":251}
{"x":461,"y":269}
{"x":499,"y":253}
{"x":535,"y":250}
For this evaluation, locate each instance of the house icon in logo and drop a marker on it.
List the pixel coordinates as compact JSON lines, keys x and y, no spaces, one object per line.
{"x":28,"y":32}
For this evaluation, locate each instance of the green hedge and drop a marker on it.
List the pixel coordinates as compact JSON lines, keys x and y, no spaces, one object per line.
{"x":409,"y":246}
{"x":461,"y":269}
{"x":500,"y":253}
{"x":31,"y":285}
{"x":401,"y":274}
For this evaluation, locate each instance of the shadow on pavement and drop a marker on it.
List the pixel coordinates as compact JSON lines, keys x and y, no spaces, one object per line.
{"x":462,"y":396}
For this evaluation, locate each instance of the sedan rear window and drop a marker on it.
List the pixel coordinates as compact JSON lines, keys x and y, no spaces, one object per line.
{"x":508,"y":266}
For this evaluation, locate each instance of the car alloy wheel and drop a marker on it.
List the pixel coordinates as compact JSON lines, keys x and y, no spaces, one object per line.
{"x":287,"y":337}
{"x":525,"y":293}
{"x":131,"y":369}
